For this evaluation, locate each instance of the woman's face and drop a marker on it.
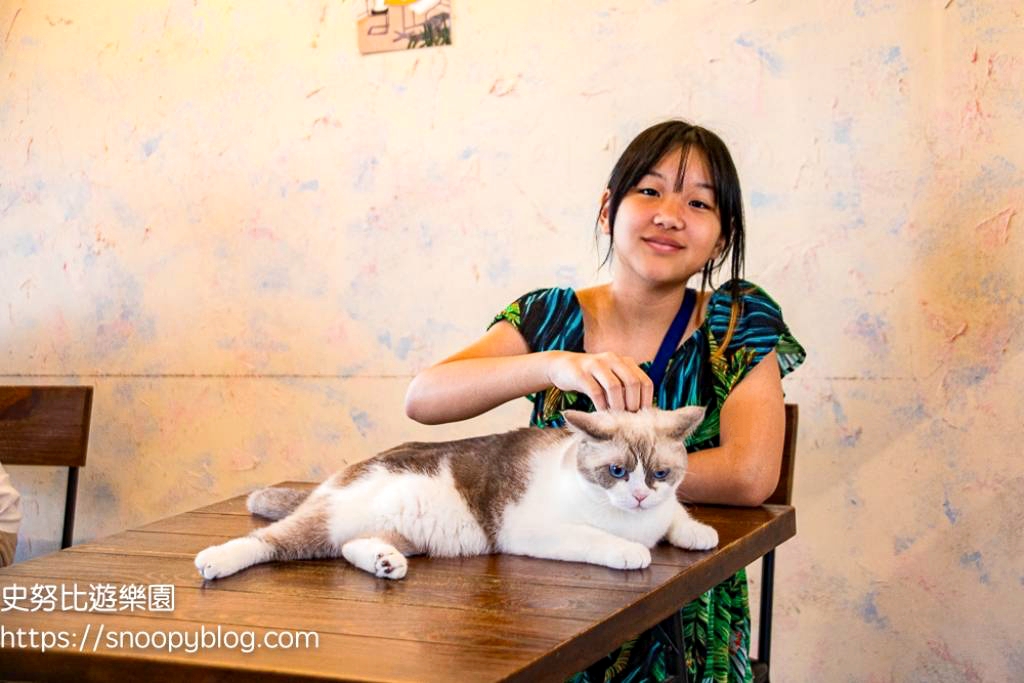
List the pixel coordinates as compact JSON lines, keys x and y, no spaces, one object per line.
{"x":665,"y":232}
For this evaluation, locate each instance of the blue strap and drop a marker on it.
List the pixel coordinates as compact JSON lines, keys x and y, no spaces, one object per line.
{"x":671,"y":341}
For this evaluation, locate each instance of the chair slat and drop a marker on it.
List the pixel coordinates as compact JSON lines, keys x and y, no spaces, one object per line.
{"x":44,"y":425}
{"x":783,"y":493}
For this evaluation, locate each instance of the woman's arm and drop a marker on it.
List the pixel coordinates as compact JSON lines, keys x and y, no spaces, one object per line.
{"x":744,"y":469}
{"x":496,"y":368}
{"x":500,"y":367}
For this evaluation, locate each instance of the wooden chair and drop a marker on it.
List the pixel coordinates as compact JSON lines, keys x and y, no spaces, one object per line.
{"x":783,"y":495}
{"x":47,"y":426}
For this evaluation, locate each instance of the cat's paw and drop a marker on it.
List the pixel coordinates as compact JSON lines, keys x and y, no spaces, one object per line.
{"x":693,"y":536}
{"x":377,"y":557}
{"x":626,"y":556}
{"x":390,"y":564}
{"x":225,"y":559}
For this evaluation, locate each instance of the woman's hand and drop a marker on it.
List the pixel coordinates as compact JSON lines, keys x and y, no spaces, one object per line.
{"x":612,"y":382}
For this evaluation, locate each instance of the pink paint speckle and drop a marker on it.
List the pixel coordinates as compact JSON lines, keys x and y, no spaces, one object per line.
{"x":941,"y":650}
{"x":994,"y":232}
{"x":263,"y":234}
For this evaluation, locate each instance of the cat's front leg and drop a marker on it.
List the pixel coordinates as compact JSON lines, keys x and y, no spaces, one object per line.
{"x":686,"y":532}
{"x":576,"y":543}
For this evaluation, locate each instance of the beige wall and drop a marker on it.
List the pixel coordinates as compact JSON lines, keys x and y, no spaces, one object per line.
{"x":248,"y":238}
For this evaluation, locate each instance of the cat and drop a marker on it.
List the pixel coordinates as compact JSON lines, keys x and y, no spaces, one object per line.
{"x":602,"y":491}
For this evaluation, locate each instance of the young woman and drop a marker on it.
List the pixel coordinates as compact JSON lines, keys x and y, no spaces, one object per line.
{"x":672,"y":210}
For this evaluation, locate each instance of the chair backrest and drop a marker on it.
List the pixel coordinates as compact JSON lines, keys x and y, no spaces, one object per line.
{"x":783,"y":494}
{"x":44,"y":425}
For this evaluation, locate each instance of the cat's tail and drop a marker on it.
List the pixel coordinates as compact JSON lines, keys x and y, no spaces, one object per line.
{"x":275,"y":502}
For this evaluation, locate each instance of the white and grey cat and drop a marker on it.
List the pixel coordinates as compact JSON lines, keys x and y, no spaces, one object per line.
{"x":602,"y":491}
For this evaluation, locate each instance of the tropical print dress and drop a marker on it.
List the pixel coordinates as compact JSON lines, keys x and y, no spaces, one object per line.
{"x":716,"y":626}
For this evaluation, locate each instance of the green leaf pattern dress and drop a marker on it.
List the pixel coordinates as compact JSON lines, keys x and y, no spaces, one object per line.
{"x":716,"y":625}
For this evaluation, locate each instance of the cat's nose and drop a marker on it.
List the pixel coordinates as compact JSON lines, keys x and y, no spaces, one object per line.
{"x":639,"y":496}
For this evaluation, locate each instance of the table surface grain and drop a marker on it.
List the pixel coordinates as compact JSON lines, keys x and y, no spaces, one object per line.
{"x":491,"y":618}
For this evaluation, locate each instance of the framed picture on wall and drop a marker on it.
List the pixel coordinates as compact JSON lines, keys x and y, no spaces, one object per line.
{"x":388,"y":25}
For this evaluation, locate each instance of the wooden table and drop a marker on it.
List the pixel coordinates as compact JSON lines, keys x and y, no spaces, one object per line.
{"x":491,"y":618}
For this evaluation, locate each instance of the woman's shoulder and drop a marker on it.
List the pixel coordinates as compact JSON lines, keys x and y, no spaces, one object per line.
{"x":745,"y":318}
{"x":742,"y":292}
{"x":593,"y":300}
{"x":536,"y":309}
{"x":545,"y":298}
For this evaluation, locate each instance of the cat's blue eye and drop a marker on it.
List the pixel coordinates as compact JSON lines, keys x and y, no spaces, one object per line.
{"x":617,"y":471}
{"x":661,"y":474}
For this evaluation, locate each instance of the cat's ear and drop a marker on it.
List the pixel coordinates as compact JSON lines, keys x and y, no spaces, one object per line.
{"x":679,"y":424}
{"x":595,"y":425}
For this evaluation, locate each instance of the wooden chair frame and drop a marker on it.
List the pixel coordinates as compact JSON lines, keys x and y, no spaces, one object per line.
{"x":783,"y":495}
{"x":47,"y":426}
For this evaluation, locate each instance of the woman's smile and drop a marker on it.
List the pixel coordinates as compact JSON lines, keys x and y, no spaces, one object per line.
{"x":663,"y":245}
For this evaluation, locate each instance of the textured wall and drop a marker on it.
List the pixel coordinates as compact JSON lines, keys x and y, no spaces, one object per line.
{"x":248,"y":238}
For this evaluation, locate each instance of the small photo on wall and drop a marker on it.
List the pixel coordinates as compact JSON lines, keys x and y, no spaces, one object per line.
{"x":387,"y":25}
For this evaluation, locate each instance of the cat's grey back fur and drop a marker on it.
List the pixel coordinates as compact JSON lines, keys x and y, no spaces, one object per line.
{"x":489,"y":472}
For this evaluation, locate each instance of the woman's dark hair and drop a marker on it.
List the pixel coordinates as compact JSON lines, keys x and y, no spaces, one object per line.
{"x":644,"y":153}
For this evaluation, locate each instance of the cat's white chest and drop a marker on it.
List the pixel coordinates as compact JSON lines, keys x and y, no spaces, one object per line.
{"x":555,"y":496}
